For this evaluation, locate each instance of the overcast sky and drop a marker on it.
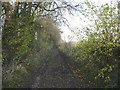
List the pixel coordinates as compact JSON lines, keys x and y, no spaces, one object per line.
{"x":77,"y":24}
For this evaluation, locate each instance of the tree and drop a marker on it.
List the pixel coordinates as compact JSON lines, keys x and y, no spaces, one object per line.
{"x":19,"y":32}
{"x":98,"y":55}
{"x":107,"y":38}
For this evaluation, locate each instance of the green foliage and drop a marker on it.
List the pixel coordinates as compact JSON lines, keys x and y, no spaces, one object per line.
{"x":22,"y":53}
{"x":19,"y":73}
{"x":98,"y":56}
{"x":20,"y":69}
{"x":17,"y":37}
{"x":98,"y":61}
{"x":49,"y":29}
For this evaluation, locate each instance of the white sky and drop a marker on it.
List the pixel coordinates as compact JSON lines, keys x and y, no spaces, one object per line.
{"x":76,"y":23}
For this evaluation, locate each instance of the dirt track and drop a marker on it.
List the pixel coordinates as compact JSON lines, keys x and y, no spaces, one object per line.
{"x":54,"y":73}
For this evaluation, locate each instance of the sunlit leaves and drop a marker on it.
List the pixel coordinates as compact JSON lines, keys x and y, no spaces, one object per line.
{"x":99,"y":54}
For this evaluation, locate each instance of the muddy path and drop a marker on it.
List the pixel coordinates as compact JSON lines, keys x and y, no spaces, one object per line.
{"x":54,"y":73}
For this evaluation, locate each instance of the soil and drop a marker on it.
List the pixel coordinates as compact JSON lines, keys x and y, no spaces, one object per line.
{"x":55,"y":73}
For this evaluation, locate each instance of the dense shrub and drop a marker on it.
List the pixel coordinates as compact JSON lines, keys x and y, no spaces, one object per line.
{"x":98,"y":61}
